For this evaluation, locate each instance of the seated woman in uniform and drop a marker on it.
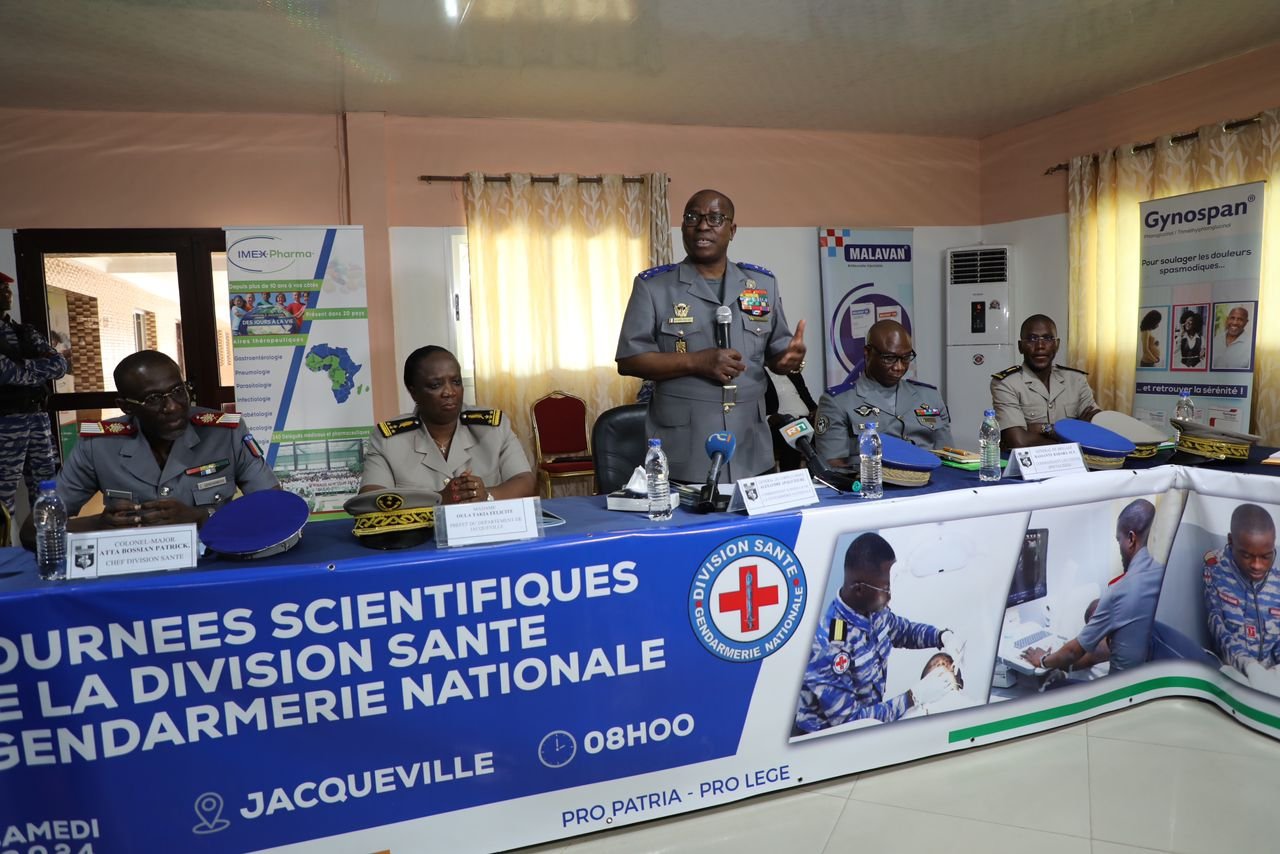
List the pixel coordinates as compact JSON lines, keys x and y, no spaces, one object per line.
{"x":465,"y":456}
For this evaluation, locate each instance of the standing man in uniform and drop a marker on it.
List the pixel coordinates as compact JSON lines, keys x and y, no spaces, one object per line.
{"x":849,"y":658}
{"x":1126,"y":611}
{"x":165,"y":462}
{"x":902,"y":407}
{"x":1030,"y":397}
{"x":1242,"y":598}
{"x":669,"y":336}
{"x":27,"y":365}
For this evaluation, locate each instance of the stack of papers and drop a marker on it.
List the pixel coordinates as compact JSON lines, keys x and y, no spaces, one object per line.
{"x":959,"y":458}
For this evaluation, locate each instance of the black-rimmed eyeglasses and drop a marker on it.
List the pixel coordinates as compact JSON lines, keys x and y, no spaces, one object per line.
{"x":179,"y":394}
{"x":1036,"y":339}
{"x":715,"y":219}
{"x":891,"y":359}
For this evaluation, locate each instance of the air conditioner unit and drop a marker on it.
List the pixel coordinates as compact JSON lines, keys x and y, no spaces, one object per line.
{"x":979,"y":333}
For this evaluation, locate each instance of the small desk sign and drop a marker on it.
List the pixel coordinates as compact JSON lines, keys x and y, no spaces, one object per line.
{"x":97,"y":554}
{"x":1044,"y":461}
{"x":488,"y":522}
{"x":770,"y":492}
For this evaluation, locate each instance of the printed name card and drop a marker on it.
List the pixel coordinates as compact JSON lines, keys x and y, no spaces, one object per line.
{"x":1045,"y":461}
{"x":96,"y":554}
{"x":488,"y":522}
{"x":771,"y":492}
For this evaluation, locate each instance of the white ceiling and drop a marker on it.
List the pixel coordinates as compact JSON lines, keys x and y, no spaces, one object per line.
{"x":965,"y":68}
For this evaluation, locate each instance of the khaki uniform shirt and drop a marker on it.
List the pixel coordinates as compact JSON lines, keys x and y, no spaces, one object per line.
{"x":909,"y":410}
{"x":412,"y":460}
{"x":206,"y":464}
{"x":1020,"y":398}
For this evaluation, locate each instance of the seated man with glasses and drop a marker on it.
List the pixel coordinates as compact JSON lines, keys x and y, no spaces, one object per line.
{"x":670,"y":335}
{"x":165,"y":462}
{"x":901,"y":407}
{"x":1030,"y":397}
{"x":1242,"y":598}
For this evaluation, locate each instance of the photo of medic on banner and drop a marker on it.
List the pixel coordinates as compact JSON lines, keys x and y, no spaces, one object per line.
{"x":1228,"y":548}
{"x":908,"y":624}
{"x":1081,"y":608}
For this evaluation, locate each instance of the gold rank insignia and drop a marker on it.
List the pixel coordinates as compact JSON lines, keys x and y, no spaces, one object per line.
{"x":838,"y":631}
{"x":490,"y":417}
{"x":682,"y":346}
{"x":215,"y":419}
{"x":400,"y":425}
{"x":90,"y":429}
{"x":389,"y":501}
{"x":681,"y":310}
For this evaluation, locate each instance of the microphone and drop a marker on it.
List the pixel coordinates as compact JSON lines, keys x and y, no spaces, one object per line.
{"x":798,"y":434}
{"x":720,"y":447}
{"x":724,"y":316}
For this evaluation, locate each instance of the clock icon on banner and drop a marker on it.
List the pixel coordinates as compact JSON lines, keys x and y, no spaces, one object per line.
{"x":557,"y":749}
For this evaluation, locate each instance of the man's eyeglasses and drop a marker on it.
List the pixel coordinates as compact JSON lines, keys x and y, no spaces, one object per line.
{"x":179,"y":394}
{"x":884,"y":590}
{"x":715,"y":219}
{"x":891,"y":359}
{"x":1036,"y":339}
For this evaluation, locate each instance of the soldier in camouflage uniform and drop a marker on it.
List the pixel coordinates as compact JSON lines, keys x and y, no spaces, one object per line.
{"x":1242,"y":596}
{"x":27,"y":365}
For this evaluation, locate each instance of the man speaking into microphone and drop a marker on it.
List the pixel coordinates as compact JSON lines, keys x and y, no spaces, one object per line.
{"x":704,"y":330}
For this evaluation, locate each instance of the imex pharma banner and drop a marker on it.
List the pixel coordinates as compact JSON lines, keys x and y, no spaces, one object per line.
{"x":866,"y":276}
{"x":300,"y":335}
{"x":1197,"y":320}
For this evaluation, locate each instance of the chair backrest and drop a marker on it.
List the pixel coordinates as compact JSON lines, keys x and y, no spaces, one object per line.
{"x":618,"y":443}
{"x":6,"y":535}
{"x":560,"y":426}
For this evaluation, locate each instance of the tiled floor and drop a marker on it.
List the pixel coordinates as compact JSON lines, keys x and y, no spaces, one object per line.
{"x":1171,"y":775}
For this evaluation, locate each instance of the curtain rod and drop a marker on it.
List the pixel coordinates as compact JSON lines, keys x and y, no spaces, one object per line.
{"x":1227,"y":127}
{"x":537,"y":179}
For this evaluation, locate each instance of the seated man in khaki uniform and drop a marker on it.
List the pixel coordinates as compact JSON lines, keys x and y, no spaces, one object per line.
{"x":1030,"y":397}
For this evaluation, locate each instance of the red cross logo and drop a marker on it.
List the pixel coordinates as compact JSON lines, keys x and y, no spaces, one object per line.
{"x":840,"y":664}
{"x":749,"y":598}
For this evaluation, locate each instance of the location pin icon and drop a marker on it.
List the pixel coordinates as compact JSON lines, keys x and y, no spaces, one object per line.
{"x":209,"y":810}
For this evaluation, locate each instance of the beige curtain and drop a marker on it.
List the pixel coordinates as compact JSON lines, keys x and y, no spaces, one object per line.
{"x":1104,"y":192}
{"x":551,"y":271}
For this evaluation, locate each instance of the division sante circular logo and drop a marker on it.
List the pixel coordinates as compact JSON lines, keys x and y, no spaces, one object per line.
{"x":747,"y":597}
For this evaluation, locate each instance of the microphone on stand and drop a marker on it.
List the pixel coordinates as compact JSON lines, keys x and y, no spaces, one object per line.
{"x":724,"y":316}
{"x":720,"y":447}
{"x":798,"y":433}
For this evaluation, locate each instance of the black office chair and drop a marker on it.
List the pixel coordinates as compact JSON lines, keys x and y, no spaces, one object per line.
{"x":618,"y":445}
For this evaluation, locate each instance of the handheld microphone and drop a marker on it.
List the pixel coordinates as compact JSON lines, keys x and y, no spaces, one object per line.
{"x":724,"y":316}
{"x":720,"y":447}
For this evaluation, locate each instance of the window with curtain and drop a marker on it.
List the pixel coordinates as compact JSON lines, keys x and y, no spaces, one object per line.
{"x":1104,"y":191}
{"x":551,"y":269}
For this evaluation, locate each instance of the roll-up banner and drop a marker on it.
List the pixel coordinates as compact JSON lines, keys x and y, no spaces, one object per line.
{"x":1198,"y":304}
{"x":300,"y":334}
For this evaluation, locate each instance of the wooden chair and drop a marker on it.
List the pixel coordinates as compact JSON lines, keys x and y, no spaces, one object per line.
{"x":560,"y":439}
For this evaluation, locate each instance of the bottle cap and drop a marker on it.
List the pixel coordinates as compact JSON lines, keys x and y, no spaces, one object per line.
{"x":655,"y":443}
{"x":871,"y":425}
{"x":48,"y":484}
{"x":989,"y":413}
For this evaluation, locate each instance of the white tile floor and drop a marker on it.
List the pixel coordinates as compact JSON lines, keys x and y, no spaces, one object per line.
{"x":1170,"y":775}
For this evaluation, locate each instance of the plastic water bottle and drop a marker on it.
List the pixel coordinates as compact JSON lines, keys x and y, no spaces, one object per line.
{"x":989,"y":447}
{"x":870,"y":454}
{"x":51,"y":533}
{"x":657,"y":474}
{"x":1186,"y":408}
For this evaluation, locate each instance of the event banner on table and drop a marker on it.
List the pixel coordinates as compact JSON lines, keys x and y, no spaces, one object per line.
{"x":300,"y":334}
{"x":515,"y":694}
{"x":866,"y":276}
{"x":1198,"y":304}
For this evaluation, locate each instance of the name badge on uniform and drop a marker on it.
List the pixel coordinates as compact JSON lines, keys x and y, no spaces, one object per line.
{"x":681,"y":310}
{"x":754,"y":302}
{"x":206,"y":484}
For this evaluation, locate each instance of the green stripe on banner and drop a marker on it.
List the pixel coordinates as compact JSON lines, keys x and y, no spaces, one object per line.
{"x":321,"y":434}
{"x":274,"y":285}
{"x":268,"y":340}
{"x":1070,"y":709}
{"x":352,"y":313}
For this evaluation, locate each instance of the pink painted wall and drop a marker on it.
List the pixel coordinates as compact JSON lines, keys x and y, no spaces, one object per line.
{"x":1013,"y":183}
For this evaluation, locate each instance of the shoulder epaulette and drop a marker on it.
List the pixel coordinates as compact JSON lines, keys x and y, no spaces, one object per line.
{"x":653,"y":271}
{"x":92,"y":429}
{"x":1077,"y":370}
{"x":1007,"y":372}
{"x":838,"y":631}
{"x":216,"y":419}
{"x":398,"y":426}
{"x":756,"y":268}
{"x":490,"y":417}
{"x":923,"y":385}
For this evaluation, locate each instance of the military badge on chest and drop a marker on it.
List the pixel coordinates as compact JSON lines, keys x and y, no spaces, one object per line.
{"x":928,"y":416}
{"x":866,"y":410}
{"x":754,"y":302}
{"x":681,"y":311}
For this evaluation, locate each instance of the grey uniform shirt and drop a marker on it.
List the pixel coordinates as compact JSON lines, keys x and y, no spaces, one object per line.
{"x":412,"y":460}
{"x":206,"y":464}
{"x":910,"y":410}
{"x":672,"y":310}
{"x":1126,"y":612}
{"x":1019,"y":398}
